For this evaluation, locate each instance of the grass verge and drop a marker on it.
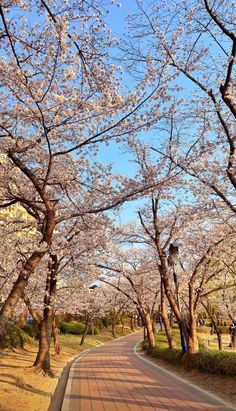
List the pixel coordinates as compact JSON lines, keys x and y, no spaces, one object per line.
{"x":21,"y":389}
{"x":209,"y":369}
{"x":206,"y":360}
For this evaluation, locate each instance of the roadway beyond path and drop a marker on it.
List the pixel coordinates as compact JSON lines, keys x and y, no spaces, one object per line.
{"x":114,"y":378}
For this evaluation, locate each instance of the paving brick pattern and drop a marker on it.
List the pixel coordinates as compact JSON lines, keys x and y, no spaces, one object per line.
{"x":114,"y":378}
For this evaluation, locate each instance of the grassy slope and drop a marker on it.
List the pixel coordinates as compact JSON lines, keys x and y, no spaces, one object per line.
{"x":23,"y":390}
{"x":222,"y":386}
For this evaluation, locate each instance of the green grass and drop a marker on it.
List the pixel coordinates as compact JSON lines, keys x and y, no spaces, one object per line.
{"x":161,"y":339}
{"x":207,"y":360}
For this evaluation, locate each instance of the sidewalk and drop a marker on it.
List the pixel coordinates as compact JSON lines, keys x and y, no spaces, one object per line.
{"x":114,"y":378}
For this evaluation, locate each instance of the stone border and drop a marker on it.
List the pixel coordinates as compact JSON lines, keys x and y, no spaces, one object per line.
{"x":67,"y":393}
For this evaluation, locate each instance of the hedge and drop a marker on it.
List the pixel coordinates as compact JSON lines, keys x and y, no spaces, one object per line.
{"x":76,"y":328}
{"x":211,"y":361}
{"x":15,"y":337}
{"x":31,"y":329}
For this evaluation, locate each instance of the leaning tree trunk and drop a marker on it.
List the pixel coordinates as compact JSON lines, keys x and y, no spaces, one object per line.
{"x":174,"y":303}
{"x":165,"y":319}
{"x":29,"y":267}
{"x":18,"y":290}
{"x":113,"y":329}
{"x":173,"y":299}
{"x":55,"y":329}
{"x":150,"y":335}
{"x":84,"y":333}
{"x":42,"y":361}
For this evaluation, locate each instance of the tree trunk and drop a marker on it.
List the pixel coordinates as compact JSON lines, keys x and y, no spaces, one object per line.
{"x":55,"y":329}
{"x":84,"y":333}
{"x":18,"y":290}
{"x":113,"y":329}
{"x":30,"y":265}
{"x":233,"y":339}
{"x":219,"y":339}
{"x":150,"y":334}
{"x":173,"y":300}
{"x":100,"y":325}
{"x":214,"y":324}
{"x":43,"y":357}
{"x":193,"y":346}
{"x":132,"y":323}
{"x":165,"y":319}
{"x":144,"y":333}
{"x":123,"y":325}
{"x":154,"y":324}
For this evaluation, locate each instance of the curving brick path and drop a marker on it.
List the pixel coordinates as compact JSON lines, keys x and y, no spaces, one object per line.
{"x":114,"y":378}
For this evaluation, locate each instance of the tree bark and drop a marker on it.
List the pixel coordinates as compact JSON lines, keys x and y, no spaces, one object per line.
{"x":214,"y":325}
{"x":43,"y":357}
{"x":132,"y":323}
{"x":150,"y":334}
{"x":31,"y":264}
{"x":165,"y":319}
{"x":113,"y":329}
{"x":18,"y":290}
{"x":233,"y":339}
{"x":193,"y":346}
{"x":55,"y":329}
{"x":84,"y":333}
{"x":42,"y":361}
{"x":123,"y":324}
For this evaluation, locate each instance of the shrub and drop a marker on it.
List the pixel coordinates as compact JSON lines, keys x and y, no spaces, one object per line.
{"x":105,"y":322}
{"x":172,"y":356}
{"x":15,"y":337}
{"x":211,"y":361}
{"x":71,"y":328}
{"x":31,"y":329}
{"x":215,"y":362}
{"x":76,"y":328}
{"x":93,"y":330}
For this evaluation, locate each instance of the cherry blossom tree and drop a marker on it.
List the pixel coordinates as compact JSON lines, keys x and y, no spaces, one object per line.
{"x":118,"y":304}
{"x":199,"y":275}
{"x":65,"y":271}
{"x":61,"y":98}
{"x":133,"y":273}
{"x":193,"y":45}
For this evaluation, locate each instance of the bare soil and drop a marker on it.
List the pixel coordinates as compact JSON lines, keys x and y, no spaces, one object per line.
{"x":21,"y":388}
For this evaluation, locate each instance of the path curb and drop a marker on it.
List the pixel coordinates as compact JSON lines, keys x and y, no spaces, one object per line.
{"x":182,"y":381}
{"x":67,"y":393}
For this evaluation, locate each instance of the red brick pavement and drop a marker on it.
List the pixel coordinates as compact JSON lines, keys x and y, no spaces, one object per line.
{"x":113,"y":378}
